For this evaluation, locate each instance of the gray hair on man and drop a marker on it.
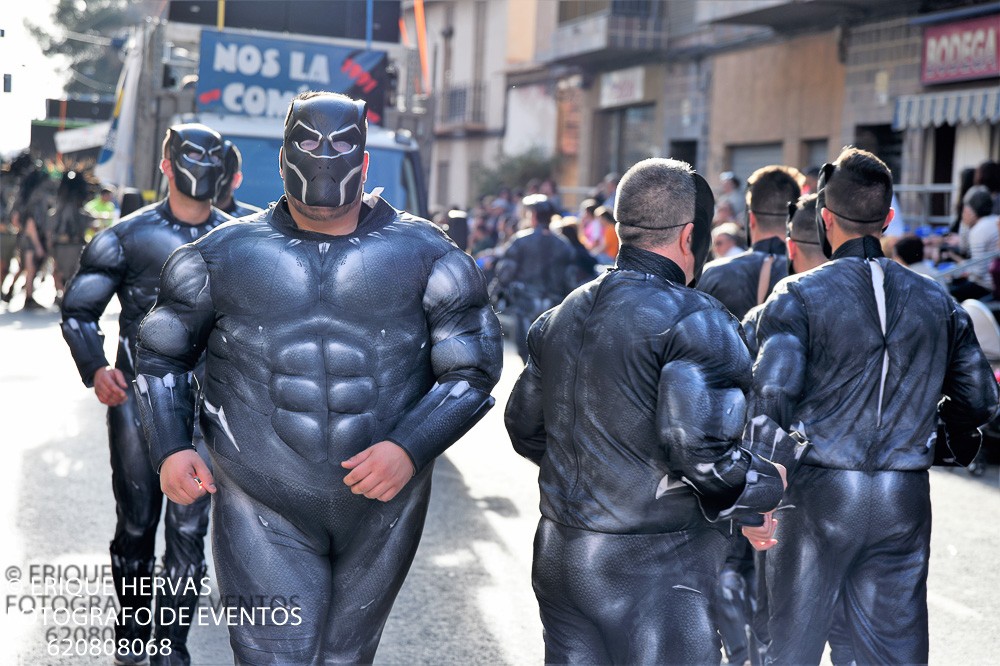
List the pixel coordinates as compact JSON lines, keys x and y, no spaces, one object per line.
{"x":655,"y":199}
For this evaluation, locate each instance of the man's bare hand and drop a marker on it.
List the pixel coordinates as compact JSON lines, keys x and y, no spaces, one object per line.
{"x":110,"y":386}
{"x":185,"y":478}
{"x":379,"y":472}
{"x":783,"y":473}
{"x":762,"y":538}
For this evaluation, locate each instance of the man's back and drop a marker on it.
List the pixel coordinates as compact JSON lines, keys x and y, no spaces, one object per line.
{"x":539,"y":260}
{"x":625,"y":368}
{"x":859,"y":353}
{"x":735,"y":281}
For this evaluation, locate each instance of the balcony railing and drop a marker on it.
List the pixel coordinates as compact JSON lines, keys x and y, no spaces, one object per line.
{"x":607,"y":35}
{"x":461,"y":108}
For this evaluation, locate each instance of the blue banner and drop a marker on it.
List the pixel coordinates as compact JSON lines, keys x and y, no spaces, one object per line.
{"x":254,"y":76}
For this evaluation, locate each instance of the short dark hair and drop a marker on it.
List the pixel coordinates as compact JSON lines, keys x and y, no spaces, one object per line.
{"x":988,"y":175}
{"x":858,"y":191}
{"x":802,"y":225}
{"x":656,"y":198}
{"x":590,"y":205}
{"x":909,"y":249}
{"x":769,"y":191}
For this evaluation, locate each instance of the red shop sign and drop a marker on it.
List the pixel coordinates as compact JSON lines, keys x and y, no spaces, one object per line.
{"x":961,"y":51}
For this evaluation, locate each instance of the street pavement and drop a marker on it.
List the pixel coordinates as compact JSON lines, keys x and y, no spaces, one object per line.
{"x":468,"y":597}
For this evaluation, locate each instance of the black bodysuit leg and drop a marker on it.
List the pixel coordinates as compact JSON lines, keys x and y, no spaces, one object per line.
{"x":340,"y":567}
{"x":863,"y":535}
{"x":138,"y":501}
{"x":647,"y":596}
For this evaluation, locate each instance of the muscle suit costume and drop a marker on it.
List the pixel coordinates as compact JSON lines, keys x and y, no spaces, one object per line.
{"x":635,"y":423}
{"x":125,"y":260}
{"x":856,"y":355}
{"x":317,"y":347}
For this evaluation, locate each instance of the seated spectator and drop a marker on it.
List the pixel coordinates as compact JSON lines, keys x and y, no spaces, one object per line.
{"x":979,"y":237}
{"x":728,"y":240}
{"x":909,"y":251}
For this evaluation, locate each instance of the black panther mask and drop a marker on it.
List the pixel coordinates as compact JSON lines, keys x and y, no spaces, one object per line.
{"x":195,"y":154}
{"x":324,"y":150}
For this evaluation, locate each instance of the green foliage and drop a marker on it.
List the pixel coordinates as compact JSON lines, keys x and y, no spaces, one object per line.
{"x":514,"y":171}
{"x":91,"y":34}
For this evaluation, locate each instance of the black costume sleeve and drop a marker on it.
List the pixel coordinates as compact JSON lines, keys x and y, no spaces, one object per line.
{"x":969,"y":385}
{"x":171,"y":339}
{"x":102,"y":267}
{"x":970,"y":395}
{"x":524,"y":416}
{"x":466,"y":357}
{"x":700,"y":416}
{"x":780,"y":371}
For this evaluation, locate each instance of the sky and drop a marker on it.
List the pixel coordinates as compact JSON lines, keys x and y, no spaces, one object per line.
{"x":33,"y":76}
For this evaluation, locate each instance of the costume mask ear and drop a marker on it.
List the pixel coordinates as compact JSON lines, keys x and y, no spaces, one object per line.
{"x":701,"y":235}
{"x":824,"y":175}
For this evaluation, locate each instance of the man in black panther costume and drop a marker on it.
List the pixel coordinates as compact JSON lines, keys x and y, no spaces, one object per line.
{"x":856,"y":355}
{"x":348,"y":345}
{"x":232,"y":163}
{"x":741,"y":596}
{"x":536,"y":270}
{"x":125,"y":260}
{"x":745,"y":280}
{"x":632,"y":404}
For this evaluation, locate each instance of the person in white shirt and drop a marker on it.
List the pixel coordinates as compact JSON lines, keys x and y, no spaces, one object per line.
{"x":979,"y":237}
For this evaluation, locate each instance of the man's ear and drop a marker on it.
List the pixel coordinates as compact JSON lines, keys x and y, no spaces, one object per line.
{"x":237,"y":180}
{"x":753,"y":220}
{"x":827,"y":218}
{"x":888,"y":219}
{"x":281,"y":162}
{"x":686,"y":239}
{"x":364,"y":168}
{"x":793,"y":249}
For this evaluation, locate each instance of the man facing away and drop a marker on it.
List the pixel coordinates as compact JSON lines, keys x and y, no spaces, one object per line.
{"x":632,"y":404}
{"x":348,"y":345}
{"x":125,"y":260}
{"x":856,"y":356}
{"x":743,"y":281}
{"x":536,"y":270}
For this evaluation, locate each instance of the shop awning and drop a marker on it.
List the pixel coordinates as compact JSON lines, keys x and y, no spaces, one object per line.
{"x":960,"y":107}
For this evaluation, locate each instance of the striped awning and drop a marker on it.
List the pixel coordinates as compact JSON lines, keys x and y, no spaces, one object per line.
{"x":963,"y":107}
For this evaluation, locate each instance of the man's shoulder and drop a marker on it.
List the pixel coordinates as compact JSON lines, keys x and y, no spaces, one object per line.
{"x":722,"y":265}
{"x":418,"y":230}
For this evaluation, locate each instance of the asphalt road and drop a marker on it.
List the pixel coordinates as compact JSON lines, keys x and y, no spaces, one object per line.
{"x":468,"y":597}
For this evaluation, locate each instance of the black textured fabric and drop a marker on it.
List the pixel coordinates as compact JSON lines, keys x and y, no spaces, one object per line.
{"x":821,"y":359}
{"x":635,"y":420}
{"x":534,"y":273}
{"x":855,"y":543}
{"x":627,"y":598}
{"x":734,"y":280}
{"x":126,"y":260}
{"x":240,"y":209}
{"x":318,"y":347}
{"x":855,"y":356}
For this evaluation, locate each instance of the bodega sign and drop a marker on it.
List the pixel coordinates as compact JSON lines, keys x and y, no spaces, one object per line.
{"x":961,"y":51}
{"x":248,"y":75}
